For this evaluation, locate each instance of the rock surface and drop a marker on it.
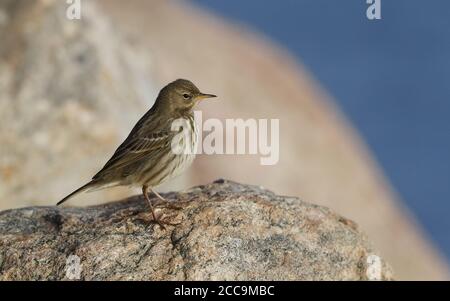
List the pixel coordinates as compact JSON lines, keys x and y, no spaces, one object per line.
{"x":63,"y":89}
{"x":226,"y":231}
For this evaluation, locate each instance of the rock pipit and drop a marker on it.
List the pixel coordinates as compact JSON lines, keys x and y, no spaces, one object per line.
{"x":147,"y":158}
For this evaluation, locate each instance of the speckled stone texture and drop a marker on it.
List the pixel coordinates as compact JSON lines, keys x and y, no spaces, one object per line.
{"x":71,"y":91}
{"x":226,"y":231}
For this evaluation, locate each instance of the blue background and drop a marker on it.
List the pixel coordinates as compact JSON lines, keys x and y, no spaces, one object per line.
{"x":391,"y":77}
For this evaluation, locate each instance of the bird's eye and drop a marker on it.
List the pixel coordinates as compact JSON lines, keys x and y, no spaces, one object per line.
{"x":186,"y":96}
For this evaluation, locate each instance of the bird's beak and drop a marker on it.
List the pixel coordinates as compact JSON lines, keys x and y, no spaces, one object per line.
{"x":202,"y":96}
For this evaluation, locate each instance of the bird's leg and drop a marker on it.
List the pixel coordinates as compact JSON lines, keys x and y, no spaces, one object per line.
{"x":156,"y":219}
{"x":165,"y":202}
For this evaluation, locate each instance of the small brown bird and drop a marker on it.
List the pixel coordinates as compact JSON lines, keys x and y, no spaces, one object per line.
{"x":147,"y":157}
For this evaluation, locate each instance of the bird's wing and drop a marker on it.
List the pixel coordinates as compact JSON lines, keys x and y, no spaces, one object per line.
{"x":135,"y":149}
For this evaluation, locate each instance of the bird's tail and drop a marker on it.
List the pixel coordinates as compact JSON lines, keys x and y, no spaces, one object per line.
{"x":85,"y":187}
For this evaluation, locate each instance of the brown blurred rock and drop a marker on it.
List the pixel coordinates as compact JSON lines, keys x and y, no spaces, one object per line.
{"x":227,"y":231}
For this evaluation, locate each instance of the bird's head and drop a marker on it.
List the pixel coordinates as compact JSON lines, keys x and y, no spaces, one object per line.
{"x":181,"y":96}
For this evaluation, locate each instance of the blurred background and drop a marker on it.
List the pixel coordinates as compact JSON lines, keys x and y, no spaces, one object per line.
{"x":70,"y":91}
{"x":391,"y":77}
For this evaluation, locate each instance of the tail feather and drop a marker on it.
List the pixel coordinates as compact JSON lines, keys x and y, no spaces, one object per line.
{"x":79,"y":190}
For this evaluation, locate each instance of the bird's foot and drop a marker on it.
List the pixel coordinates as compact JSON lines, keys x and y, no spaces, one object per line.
{"x":163,"y":203}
